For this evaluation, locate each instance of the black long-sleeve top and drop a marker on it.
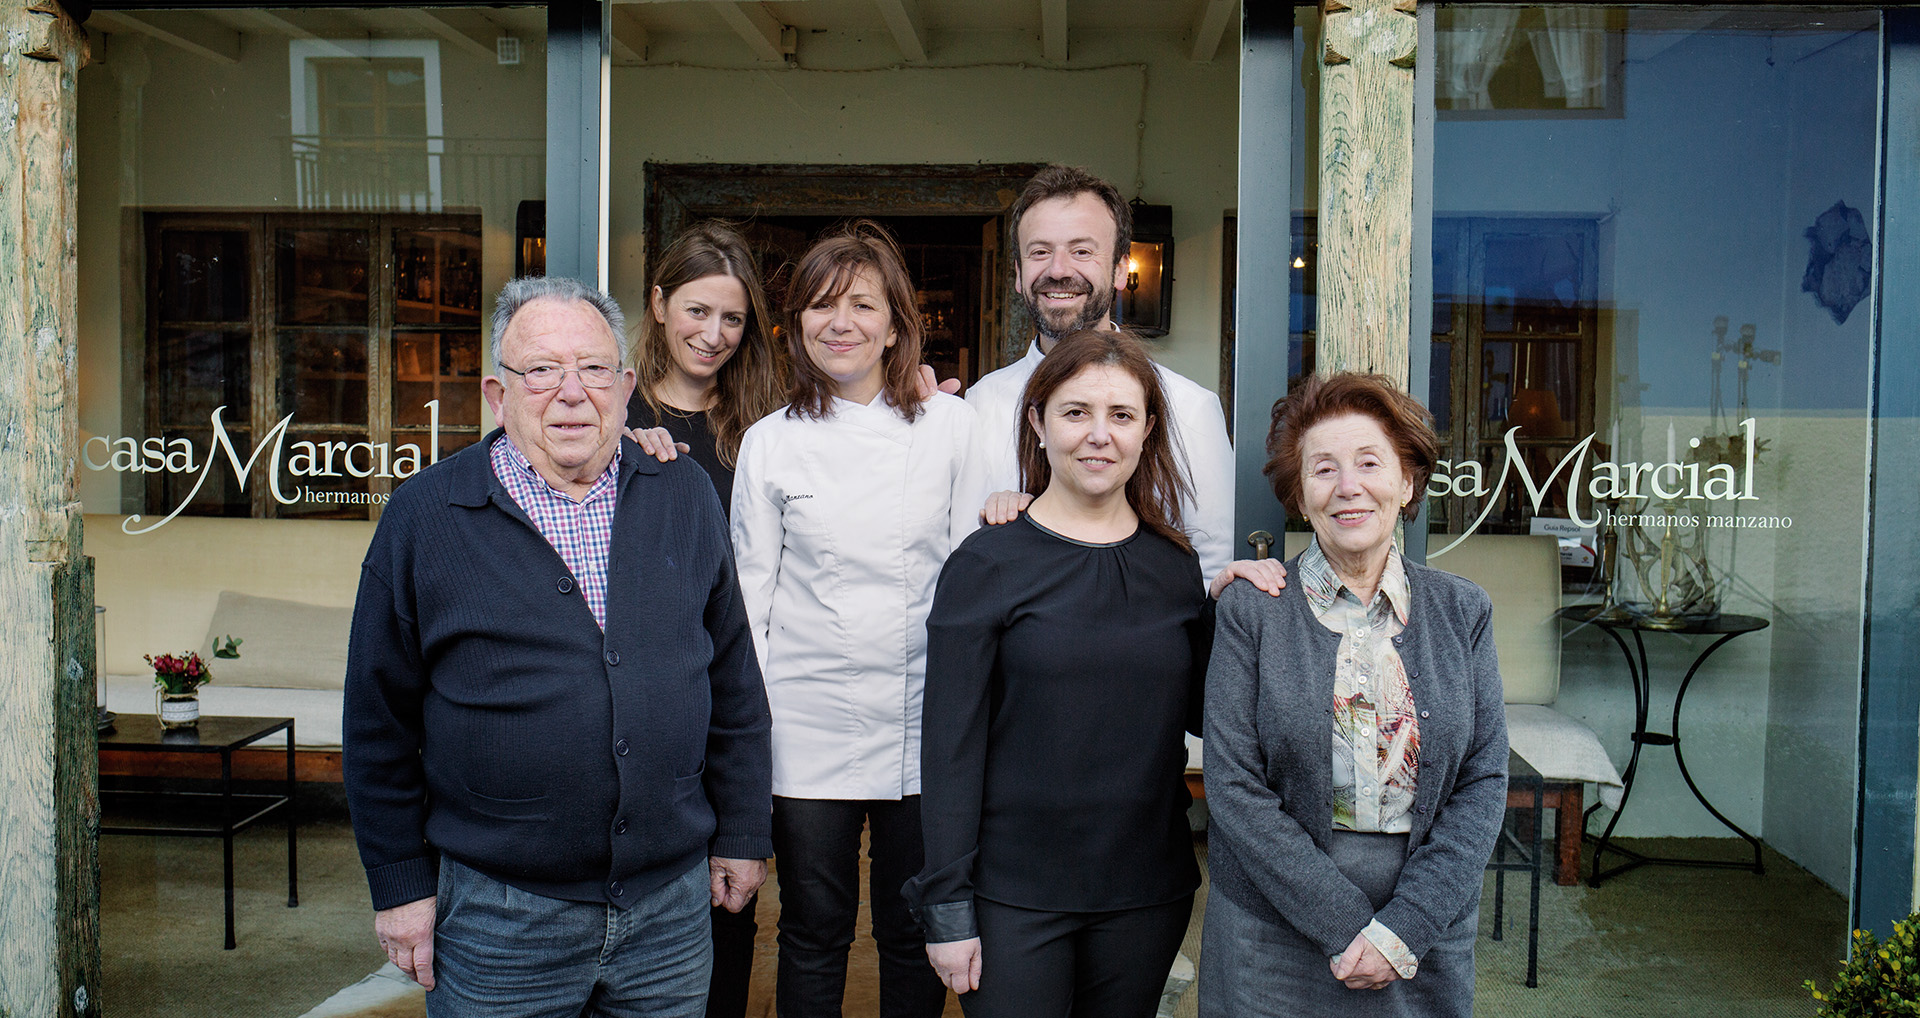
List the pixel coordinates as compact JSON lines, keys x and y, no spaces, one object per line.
{"x":489,"y":718}
{"x":693,"y":428}
{"x":1060,"y":677}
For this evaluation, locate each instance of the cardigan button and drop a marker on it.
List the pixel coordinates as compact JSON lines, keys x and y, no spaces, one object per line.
{"x":565,"y":584}
{"x":1424,"y":714}
{"x":618,"y":890}
{"x":620,"y":826}
{"x":613,"y":658}
{"x":621,"y":748}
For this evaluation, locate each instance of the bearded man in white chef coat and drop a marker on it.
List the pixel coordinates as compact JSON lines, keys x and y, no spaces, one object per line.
{"x":1072,"y":232}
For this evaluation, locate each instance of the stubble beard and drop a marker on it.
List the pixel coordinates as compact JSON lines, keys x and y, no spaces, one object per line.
{"x":1094,"y":314}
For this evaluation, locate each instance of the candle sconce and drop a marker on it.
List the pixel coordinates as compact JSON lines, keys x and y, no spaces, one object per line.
{"x":1146,"y":303}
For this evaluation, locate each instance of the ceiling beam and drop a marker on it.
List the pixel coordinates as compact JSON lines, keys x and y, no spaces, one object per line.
{"x":629,"y":36}
{"x":903,"y":20}
{"x":1210,"y":27}
{"x":475,"y":44}
{"x":196,"y":33}
{"x":259,"y":22}
{"x":762,"y":32}
{"x":1053,"y":30}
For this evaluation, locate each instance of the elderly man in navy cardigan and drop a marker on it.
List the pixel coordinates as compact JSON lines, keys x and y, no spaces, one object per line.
{"x":557,"y":746}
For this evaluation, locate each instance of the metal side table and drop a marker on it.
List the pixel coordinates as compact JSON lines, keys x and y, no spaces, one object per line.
{"x":1725,"y":627}
{"x":168,"y":813}
{"x":1525,"y":844}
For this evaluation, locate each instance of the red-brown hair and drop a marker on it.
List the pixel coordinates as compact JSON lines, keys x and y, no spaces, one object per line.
{"x":1315,"y":399}
{"x":1158,"y":482}
{"x":825,"y":272}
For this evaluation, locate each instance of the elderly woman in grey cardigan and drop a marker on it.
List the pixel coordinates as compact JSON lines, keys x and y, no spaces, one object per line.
{"x":1356,"y":745}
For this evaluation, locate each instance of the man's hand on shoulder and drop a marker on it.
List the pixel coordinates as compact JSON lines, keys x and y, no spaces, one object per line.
{"x":1004,"y":507}
{"x":735,"y":880}
{"x":406,"y":934}
{"x":928,"y":386}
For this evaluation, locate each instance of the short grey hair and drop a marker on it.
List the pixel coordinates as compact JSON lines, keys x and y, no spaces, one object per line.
{"x":518,"y":293}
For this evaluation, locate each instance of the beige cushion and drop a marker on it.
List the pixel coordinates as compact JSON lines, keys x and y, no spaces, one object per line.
{"x":286,"y":644}
{"x":1522,"y":576}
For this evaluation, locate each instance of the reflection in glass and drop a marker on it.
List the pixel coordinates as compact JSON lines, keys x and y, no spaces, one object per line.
{"x":323,"y":276}
{"x":323,"y":376}
{"x":436,"y":277}
{"x":203,"y":276}
{"x":198,"y":370}
{"x":437,"y":365}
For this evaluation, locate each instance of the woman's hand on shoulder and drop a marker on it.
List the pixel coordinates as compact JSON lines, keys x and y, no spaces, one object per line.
{"x":957,"y":963}
{"x":656,"y":442}
{"x":1362,"y":966}
{"x":1266,"y":573}
{"x":1004,"y":507}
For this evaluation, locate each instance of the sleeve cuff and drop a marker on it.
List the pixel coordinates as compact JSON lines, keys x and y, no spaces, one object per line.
{"x":740,"y":846}
{"x":396,"y":884}
{"x":947,"y":921}
{"x":1388,"y":943}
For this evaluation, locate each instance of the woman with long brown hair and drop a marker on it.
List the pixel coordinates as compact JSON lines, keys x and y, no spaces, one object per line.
{"x":844,"y":507}
{"x":708,"y":367}
{"x":707,"y":360}
{"x":1065,"y":655}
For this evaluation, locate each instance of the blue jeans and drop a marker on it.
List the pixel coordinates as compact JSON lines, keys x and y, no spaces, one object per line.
{"x":501,"y":952}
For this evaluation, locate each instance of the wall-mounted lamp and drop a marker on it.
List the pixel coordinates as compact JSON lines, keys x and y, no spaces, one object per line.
{"x":1146,"y":304}
{"x":530,"y":239}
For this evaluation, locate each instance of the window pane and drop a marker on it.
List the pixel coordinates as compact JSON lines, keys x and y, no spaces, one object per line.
{"x":203,"y":276}
{"x":436,"y":277}
{"x":323,"y":377}
{"x":222,"y":494}
{"x":437,"y":365}
{"x":331,"y":474}
{"x":197,"y":370}
{"x":323,"y":276}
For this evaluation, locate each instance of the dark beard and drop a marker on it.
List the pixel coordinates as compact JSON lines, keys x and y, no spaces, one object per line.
{"x":1094,"y":314}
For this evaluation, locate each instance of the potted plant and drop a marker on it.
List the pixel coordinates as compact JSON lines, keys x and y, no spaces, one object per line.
{"x":176,"y":683}
{"x":1877,"y":979}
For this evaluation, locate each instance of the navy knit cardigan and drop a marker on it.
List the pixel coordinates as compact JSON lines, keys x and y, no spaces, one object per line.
{"x":488,"y":717}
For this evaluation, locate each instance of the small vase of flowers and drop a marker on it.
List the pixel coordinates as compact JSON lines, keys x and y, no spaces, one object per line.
{"x":176,"y":688}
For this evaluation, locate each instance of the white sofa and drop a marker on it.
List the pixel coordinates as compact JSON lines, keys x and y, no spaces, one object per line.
{"x":284,"y":587}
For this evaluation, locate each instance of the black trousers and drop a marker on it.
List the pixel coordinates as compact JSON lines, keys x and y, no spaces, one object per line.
{"x":733,"y":934}
{"x":1036,"y":964}
{"x":816,"y":845}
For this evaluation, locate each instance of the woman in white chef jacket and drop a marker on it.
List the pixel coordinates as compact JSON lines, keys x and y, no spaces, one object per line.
{"x":845,"y":505}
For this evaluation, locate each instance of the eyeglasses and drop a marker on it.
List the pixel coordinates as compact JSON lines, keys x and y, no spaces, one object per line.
{"x":546,"y":377}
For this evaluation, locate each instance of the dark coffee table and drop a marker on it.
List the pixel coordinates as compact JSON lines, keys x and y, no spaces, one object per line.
{"x":195,"y":814}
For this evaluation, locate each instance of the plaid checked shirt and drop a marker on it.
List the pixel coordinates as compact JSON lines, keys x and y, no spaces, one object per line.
{"x":580,"y":531}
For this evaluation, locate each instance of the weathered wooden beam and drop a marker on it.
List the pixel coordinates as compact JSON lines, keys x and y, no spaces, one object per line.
{"x":1053,"y":30}
{"x":630,"y":39}
{"x":196,"y":33}
{"x":1366,"y":185}
{"x":761,"y":31}
{"x":903,"y":20}
{"x":249,"y":19}
{"x":472,"y":42}
{"x":1210,"y":27}
{"x":49,"y":865}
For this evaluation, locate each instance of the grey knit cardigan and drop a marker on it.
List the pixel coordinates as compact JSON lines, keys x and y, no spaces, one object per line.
{"x":1269,"y":724}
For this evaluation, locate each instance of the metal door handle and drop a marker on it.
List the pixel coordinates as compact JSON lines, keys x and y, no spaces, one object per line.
{"x":1262,"y":543}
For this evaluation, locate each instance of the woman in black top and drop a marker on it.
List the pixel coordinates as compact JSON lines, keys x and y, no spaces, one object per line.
{"x":1065,"y":656}
{"x":707,"y":362}
{"x":708,"y":368}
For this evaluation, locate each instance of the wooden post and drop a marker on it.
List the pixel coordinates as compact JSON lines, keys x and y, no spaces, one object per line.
{"x":49,"y":827}
{"x":1366,"y":185}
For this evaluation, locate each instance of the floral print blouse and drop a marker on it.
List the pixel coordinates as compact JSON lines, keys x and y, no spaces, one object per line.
{"x":1376,"y":730}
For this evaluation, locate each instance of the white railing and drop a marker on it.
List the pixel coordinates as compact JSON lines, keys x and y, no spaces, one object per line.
{"x":413,"y":174}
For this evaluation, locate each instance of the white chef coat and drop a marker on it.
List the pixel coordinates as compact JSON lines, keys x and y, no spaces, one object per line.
{"x":1197,"y":422}
{"x":840,"y":527}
